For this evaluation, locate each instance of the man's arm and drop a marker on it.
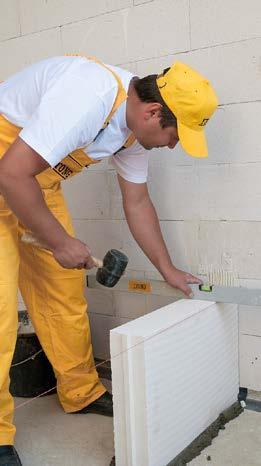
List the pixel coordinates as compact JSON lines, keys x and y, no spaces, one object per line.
{"x":18,"y":185}
{"x":145,"y":228}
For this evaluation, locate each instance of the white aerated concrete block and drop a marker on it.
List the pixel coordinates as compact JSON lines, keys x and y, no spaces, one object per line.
{"x":154,"y":302}
{"x":182,"y":241}
{"x":250,"y":361}
{"x":129,"y":305}
{"x":87,"y":195}
{"x":230,"y":121}
{"x":90,"y":36}
{"x":229,"y":192}
{"x":40,"y":14}
{"x":138,"y":2}
{"x":100,"y":330}
{"x":250,"y":320}
{"x":174,"y":191}
{"x":231,"y":246}
{"x":219,"y":22}
{"x":25,"y":50}
{"x":181,"y":238}
{"x":100,"y":301}
{"x":162,"y":19}
{"x":173,"y":372}
{"x":116,"y":207}
{"x":99,"y":235}
{"x":9,"y":19}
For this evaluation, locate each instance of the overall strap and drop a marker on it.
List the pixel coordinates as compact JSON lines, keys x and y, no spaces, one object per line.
{"x":121,"y":94}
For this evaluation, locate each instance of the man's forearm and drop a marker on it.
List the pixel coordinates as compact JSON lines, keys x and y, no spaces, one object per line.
{"x":25,"y":199}
{"x":145,"y":228}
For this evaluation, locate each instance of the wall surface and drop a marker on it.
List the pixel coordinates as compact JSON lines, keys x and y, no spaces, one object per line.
{"x":209,"y":209}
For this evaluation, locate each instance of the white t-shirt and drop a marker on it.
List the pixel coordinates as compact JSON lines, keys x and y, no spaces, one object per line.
{"x":62,"y":103}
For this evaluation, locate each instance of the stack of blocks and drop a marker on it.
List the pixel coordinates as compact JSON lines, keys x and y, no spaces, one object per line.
{"x":173,"y":372}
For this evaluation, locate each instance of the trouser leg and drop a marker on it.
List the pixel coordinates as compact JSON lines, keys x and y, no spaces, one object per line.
{"x":55,"y":300}
{"x":9,"y":265}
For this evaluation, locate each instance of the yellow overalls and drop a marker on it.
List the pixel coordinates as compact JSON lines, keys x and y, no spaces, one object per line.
{"x":54,"y":296}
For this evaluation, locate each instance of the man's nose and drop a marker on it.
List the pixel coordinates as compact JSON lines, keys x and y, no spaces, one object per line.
{"x":171,"y":145}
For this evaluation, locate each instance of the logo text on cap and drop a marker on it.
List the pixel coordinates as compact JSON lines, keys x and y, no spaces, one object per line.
{"x":204,"y":122}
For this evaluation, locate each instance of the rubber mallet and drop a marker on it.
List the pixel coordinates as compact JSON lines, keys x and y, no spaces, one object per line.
{"x":109,"y":271}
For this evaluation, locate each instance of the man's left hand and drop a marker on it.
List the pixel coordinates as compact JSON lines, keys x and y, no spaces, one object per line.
{"x":181,"y":280}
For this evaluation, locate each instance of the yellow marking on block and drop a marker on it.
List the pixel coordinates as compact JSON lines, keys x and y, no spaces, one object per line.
{"x":138,"y":285}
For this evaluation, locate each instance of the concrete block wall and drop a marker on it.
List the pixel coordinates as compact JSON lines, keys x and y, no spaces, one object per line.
{"x":209,"y":209}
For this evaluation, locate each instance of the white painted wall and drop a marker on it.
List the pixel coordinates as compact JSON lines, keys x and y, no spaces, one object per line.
{"x":210,"y":210}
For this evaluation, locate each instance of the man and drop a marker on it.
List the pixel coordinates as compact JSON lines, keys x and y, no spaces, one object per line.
{"x":81,"y":107}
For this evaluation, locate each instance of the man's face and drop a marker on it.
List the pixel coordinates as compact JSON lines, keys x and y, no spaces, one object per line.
{"x":150,"y":134}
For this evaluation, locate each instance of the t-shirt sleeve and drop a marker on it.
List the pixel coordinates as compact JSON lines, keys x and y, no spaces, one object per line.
{"x":132,"y":163}
{"x":68,"y":117}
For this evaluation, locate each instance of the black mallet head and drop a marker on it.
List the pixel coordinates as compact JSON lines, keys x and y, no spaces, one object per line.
{"x":114,"y":264}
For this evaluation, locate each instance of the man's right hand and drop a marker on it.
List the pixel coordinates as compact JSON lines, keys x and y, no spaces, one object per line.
{"x":73,"y":254}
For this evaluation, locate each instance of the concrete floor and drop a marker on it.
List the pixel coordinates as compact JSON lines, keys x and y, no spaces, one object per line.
{"x":238,"y":445}
{"x":46,"y":436}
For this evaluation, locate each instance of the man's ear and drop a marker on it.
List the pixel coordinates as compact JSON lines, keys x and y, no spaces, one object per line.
{"x":152,"y":110}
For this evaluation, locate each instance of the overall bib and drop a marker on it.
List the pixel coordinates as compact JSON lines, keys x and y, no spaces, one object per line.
{"x":54,"y":296}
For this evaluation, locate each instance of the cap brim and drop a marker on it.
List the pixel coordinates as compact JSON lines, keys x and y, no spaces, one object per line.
{"x":193,"y":142}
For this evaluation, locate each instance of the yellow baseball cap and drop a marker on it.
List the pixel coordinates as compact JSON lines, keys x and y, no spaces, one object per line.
{"x":192,"y":100}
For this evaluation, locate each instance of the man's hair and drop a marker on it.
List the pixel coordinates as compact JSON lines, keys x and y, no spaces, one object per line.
{"x":148,"y":91}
